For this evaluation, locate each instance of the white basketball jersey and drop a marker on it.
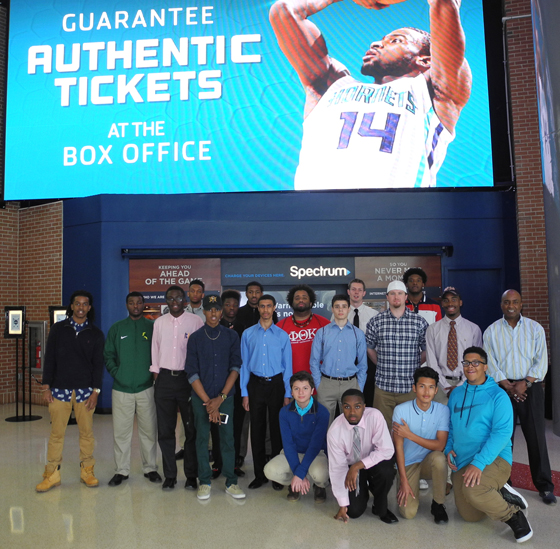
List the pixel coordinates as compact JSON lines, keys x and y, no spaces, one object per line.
{"x":370,"y":136}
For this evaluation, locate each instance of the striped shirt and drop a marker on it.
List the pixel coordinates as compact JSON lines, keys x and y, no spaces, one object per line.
{"x":516,"y":353}
{"x":399,"y":343}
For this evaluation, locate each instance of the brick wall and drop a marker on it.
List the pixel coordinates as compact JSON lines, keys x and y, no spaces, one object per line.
{"x":530,"y":209}
{"x":31,"y":275}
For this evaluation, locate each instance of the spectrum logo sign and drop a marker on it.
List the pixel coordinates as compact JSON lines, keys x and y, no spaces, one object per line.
{"x":300,"y":272}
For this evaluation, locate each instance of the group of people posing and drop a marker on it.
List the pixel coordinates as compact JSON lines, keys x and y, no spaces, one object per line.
{"x":350,"y":400}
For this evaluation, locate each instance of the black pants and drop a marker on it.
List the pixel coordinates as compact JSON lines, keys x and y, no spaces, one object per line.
{"x":172,"y":393}
{"x":377,"y":480}
{"x":531,"y":417}
{"x":238,"y":418}
{"x":369,"y":387}
{"x":265,"y":396}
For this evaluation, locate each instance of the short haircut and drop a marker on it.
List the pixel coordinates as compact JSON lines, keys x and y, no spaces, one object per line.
{"x":353,"y":393}
{"x":254,"y":283}
{"x":357,"y":281}
{"x":231,"y":294}
{"x":177,"y":288}
{"x":302,"y":375}
{"x":426,"y":371}
{"x":415,"y":271}
{"x":134,"y":294}
{"x":340,"y":297}
{"x":197,"y":282}
{"x":81,"y":293}
{"x":267,"y":297}
{"x":425,"y":40}
{"x":478,"y":350}
{"x":301,"y":288}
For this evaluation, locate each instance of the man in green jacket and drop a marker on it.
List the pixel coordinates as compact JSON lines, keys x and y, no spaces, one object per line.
{"x":128,"y":360}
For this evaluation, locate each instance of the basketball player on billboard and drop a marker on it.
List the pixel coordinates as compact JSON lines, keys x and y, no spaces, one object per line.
{"x":391,"y":133}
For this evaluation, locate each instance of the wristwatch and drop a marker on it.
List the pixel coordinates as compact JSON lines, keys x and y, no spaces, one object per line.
{"x":97,"y":391}
{"x":529,"y":383}
{"x":223,"y":395}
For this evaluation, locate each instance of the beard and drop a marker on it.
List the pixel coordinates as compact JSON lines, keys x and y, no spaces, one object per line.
{"x":303,"y":307}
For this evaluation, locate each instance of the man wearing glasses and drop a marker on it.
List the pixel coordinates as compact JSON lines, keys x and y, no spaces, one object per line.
{"x":479,"y":449}
{"x":172,"y":388}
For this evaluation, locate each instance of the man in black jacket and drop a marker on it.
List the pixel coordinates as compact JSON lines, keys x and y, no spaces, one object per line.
{"x":72,"y":378}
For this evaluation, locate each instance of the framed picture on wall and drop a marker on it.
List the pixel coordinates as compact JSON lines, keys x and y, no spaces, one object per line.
{"x":15,"y":322}
{"x":56,"y":313}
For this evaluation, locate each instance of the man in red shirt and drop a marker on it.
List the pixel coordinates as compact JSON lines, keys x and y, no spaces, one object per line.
{"x":415,"y":279}
{"x":302,"y":326}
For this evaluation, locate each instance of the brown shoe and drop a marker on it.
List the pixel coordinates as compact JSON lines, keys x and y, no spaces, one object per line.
{"x":448,"y":488}
{"x":292,"y":496}
{"x":87,"y":476}
{"x":319,"y":494}
{"x":50,"y":480}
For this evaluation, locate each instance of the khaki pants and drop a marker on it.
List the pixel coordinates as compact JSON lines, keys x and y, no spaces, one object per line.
{"x":125,"y":405}
{"x":386,"y":402}
{"x":278,"y":470}
{"x":433,"y":466}
{"x":60,"y":414}
{"x":475,"y":502}
{"x":330,"y":392}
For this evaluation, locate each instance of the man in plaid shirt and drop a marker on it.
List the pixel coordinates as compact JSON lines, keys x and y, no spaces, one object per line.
{"x":396,"y":341}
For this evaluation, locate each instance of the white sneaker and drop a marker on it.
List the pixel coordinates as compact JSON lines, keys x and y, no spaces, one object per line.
{"x":235,"y":492}
{"x":423,"y":484}
{"x":203,"y":491}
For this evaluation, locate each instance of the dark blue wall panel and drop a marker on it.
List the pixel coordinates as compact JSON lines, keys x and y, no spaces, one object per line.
{"x":481,"y":227}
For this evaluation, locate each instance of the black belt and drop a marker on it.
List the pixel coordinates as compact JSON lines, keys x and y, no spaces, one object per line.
{"x":174,"y":373}
{"x":339,"y":378}
{"x":266,"y":379}
{"x":457,"y":378}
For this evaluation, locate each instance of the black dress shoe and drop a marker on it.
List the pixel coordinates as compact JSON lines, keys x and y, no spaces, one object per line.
{"x":117,"y":479}
{"x":387,"y":518}
{"x":257,"y":483}
{"x":153,"y":476}
{"x":440,"y":515}
{"x":239,"y":460}
{"x":216,"y":473}
{"x":180,"y":455}
{"x":191,"y":483}
{"x":169,"y":484}
{"x":277,"y":486}
{"x":239,"y":472}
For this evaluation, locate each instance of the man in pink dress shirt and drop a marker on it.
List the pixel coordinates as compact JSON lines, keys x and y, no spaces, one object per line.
{"x":172,"y":389}
{"x":361,"y":459}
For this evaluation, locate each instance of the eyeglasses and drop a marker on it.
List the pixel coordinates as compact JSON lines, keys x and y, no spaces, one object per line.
{"x":176,"y":299}
{"x":475,"y":363}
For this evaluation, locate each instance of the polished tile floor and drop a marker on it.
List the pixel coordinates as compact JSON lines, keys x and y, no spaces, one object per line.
{"x":138,"y":514}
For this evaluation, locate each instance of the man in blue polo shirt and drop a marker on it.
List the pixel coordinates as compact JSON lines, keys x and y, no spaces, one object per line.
{"x":420,"y":429}
{"x":338,"y":357}
{"x":265,"y":383}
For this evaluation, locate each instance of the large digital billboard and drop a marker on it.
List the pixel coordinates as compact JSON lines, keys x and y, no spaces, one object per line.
{"x":135,"y":97}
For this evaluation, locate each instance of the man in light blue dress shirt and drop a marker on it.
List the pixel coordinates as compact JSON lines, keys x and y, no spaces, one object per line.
{"x":265,"y":383}
{"x":338,"y":357}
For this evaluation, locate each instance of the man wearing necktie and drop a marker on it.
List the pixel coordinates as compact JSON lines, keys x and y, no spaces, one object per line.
{"x":446,"y":341}
{"x":361,"y":454}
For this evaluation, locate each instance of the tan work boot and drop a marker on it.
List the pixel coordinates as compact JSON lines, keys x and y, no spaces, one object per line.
{"x":87,"y":476}
{"x":50,"y":480}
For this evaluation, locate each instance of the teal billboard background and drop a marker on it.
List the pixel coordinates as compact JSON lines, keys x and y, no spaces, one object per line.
{"x":227,"y":120}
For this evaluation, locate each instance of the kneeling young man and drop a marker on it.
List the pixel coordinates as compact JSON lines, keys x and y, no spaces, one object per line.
{"x":420,"y":429}
{"x":303,"y":425}
{"x":360,"y":453}
{"x":479,"y":449}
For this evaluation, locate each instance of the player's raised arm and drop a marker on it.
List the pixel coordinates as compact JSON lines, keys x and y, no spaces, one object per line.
{"x":304,"y":46}
{"x":450,"y":74}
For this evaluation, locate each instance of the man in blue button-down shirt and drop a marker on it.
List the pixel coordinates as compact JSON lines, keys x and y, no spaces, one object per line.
{"x":338,"y":357}
{"x":265,"y":383}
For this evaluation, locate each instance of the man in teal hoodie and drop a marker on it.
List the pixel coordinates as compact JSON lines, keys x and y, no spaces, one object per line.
{"x":479,"y":449}
{"x":128,"y":359}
